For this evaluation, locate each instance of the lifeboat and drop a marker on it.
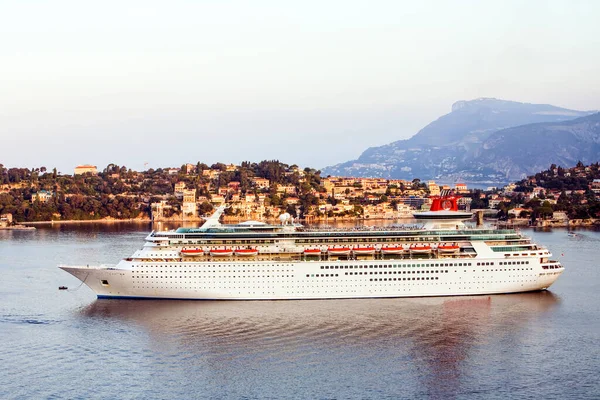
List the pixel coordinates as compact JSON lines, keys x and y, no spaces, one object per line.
{"x":246,"y":252}
{"x":312,"y":252}
{"x":339,"y":251}
{"x":448,"y":248}
{"x":392,"y":250}
{"x":364,"y":250}
{"x":191,"y":252}
{"x":221,"y":252}
{"x":420,"y":248}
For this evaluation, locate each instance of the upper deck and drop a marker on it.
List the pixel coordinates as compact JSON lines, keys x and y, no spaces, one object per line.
{"x":355,"y":233}
{"x":212,"y":232}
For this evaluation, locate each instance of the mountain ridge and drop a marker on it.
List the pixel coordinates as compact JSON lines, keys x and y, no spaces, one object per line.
{"x":448,"y":145}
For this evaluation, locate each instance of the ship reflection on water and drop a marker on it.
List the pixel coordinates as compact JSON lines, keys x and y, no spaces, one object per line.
{"x":433,"y":337}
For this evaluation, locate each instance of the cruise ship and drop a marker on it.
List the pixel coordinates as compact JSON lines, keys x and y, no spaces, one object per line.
{"x":442,"y":256}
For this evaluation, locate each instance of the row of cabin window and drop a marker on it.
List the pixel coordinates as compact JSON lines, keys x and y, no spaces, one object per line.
{"x":405,"y":279}
{"x":551,"y":266}
{"x":513,"y":262}
{"x":321,"y":275}
{"x":397,"y":272}
{"x":506,"y":269}
{"x":205,"y":266}
{"x":397,"y":266}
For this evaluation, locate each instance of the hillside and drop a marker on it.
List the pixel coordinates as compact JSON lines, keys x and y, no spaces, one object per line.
{"x":447,"y":148}
{"x":525,"y":149}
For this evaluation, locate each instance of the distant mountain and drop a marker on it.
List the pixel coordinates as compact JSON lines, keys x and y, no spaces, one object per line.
{"x":527,"y":149}
{"x":462,"y":145}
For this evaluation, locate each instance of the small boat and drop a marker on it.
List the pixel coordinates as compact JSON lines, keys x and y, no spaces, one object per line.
{"x":392,"y":250}
{"x":62,"y":288}
{"x":221,"y":252}
{"x":191,"y":252}
{"x":420,"y":248}
{"x":312,"y":252}
{"x":448,"y":248}
{"x":246,"y":252}
{"x":364,"y":250}
{"x":339,"y":251}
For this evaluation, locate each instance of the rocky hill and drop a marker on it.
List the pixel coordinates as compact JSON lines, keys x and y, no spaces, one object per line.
{"x":467,"y":144}
{"x":525,"y":149}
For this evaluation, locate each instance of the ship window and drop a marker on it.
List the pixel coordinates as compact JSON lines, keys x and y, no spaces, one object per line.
{"x":104,"y":282}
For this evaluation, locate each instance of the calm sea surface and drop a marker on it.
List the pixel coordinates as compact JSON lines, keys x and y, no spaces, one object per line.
{"x":67,"y":344}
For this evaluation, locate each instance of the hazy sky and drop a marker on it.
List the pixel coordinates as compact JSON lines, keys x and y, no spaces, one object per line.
{"x":306,"y":82}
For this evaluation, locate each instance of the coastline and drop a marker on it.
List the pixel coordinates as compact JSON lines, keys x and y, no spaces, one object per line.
{"x":516,"y":223}
{"x":17,"y":228}
{"x":87,"y":221}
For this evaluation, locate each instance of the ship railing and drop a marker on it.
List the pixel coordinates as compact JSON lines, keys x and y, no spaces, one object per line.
{"x":366,"y":229}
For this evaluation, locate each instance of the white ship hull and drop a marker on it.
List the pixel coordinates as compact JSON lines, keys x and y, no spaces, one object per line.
{"x":312,"y":280}
{"x":488,"y":262}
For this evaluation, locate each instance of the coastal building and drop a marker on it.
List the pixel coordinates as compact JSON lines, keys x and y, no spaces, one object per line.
{"x":434,"y":189}
{"x":217,"y":199}
{"x":461,"y":188}
{"x":464,"y":203}
{"x":412,"y":201}
{"x":42,"y":196}
{"x":516,"y":212}
{"x":404,"y":211}
{"x":261,"y":183}
{"x":84,"y":169}
{"x":234,"y":185}
{"x":287,"y":189}
{"x":158,"y":210}
{"x":595,"y":186}
{"x":179,"y":188}
{"x":211,"y":173}
{"x":5,"y":220}
{"x":328,"y":184}
{"x":189,"y":208}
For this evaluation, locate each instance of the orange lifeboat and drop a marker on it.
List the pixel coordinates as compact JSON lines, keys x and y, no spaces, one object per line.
{"x":312,"y":252}
{"x":246,"y":252}
{"x":221,"y":252}
{"x":448,"y":248}
{"x":364,"y":250}
{"x":392,"y":250}
{"x":420,"y":248}
{"x":191,"y":252}
{"x":339,"y":251}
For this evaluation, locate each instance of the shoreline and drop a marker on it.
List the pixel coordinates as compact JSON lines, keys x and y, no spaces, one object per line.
{"x":517,"y":224}
{"x":86,"y":221}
